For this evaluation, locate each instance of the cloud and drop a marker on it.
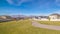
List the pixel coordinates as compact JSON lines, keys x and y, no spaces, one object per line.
{"x":13,"y":3}
{"x":17,"y":2}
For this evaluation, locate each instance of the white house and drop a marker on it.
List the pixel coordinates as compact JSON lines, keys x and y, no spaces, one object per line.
{"x":5,"y":17}
{"x":41,"y":18}
{"x":44,"y":18}
{"x":36,"y":18}
{"x":54,"y":17}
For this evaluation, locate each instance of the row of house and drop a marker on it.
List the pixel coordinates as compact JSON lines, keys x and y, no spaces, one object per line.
{"x":4,"y":18}
{"x":52,"y":17}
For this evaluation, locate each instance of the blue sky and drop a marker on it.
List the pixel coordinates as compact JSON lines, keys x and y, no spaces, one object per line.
{"x":29,"y":7}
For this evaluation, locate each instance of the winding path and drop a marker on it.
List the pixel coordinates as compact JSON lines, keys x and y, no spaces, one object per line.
{"x":52,"y":27}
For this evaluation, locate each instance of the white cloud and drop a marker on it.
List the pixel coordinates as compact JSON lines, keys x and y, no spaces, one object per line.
{"x":19,"y":2}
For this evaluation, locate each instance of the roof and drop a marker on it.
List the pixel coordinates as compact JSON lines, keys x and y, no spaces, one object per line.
{"x":55,"y":14}
{"x":44,"y":16}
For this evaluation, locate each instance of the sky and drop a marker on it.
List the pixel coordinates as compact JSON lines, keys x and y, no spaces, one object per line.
{"x":29,"y":7}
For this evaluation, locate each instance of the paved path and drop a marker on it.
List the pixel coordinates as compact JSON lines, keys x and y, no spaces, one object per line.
{"x":52,"y":27}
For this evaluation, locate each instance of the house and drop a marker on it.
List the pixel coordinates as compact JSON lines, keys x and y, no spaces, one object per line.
{"x":35,"y":18}
{"x":19,"y":17}
{"x":54,"y":17}
{"x":5,"y":18}
{"x":44,"y":18}
{"x":41,"y":18}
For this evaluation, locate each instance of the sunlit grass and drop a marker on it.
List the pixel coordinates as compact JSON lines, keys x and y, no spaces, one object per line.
{"x":50,"y":22}
{"x":23,"y":27}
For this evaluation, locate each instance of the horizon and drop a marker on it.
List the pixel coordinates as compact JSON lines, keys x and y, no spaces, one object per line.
{"x":29,"y":15}
{"x":29,"y":7}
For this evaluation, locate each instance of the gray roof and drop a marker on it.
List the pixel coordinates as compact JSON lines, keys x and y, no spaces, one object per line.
{"x":55,"y":14}
{"x":44,"y":17}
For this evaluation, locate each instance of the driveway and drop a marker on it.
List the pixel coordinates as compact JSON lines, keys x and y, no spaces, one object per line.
{"x":52,"y":27}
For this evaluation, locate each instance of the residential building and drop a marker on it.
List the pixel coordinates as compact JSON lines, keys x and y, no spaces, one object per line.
{"x":41,"y":18}
{"x":54,"y":17}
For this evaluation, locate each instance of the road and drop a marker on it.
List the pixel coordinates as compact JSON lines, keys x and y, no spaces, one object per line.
{"x":52,"y":27}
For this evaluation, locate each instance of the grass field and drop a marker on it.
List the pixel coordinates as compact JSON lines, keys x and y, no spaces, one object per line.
{"x":50,"y":22}
{"x":23,"y":27}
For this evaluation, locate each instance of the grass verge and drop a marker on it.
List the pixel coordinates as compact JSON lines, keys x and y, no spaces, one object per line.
{"x":23,"y":27}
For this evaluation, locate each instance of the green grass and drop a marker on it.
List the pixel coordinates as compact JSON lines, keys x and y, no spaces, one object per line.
{"x":50,"y":22}
{"x":23,"y":27}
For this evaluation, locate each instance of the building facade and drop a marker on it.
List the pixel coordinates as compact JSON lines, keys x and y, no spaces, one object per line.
{"x":52,"y":17}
